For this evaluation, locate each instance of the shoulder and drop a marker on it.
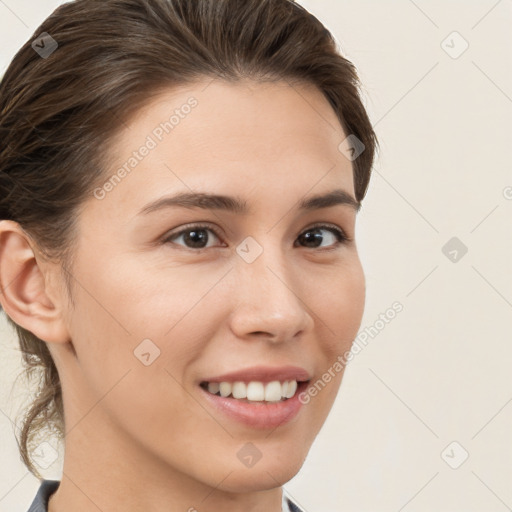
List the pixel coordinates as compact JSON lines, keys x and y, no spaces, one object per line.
{"x":46,"y":489}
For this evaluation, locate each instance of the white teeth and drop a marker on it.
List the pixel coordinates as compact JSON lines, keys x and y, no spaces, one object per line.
{"x":213,"y":387}
{"x":255,"y":391}
{"x":239,"y":390}
{"x":273,"y":391}
{"x":292,"y":387}
{"x":225,"y":389}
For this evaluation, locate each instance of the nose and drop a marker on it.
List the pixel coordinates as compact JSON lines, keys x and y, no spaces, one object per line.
{"x":270,"y":303}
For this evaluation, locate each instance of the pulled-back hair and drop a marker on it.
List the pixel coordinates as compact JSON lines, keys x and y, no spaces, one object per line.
{"x":59,"y":111}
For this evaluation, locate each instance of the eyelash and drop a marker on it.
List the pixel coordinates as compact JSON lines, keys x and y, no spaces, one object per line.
{"x":342,"y":238}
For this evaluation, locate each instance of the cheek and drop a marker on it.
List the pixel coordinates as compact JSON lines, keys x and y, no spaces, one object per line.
{"x":342,"y":307}
{"x":338,"y":313}
{"x":130,"y":316}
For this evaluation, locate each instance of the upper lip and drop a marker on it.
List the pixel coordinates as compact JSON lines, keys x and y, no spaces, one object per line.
{"x":263,"y":374}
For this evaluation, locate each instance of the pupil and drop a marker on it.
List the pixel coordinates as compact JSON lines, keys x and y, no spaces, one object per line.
{"x":197,"y":238}
{"x":316,"y":237}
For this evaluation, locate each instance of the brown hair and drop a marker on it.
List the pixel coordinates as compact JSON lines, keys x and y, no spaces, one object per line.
{"x":58,"y":113}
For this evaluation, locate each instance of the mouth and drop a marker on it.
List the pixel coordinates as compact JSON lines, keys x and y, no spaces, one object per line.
{"x":254,"y":404}
{"x":254,"y":391}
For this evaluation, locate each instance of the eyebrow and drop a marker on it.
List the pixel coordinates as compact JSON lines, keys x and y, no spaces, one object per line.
{"x":238,"y":205}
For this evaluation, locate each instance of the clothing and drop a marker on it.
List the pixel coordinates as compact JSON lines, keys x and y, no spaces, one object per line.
{"x":289,"y":504}
{"x":48,"y":487}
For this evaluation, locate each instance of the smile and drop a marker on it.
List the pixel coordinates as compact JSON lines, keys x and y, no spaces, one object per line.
{"x":254,"y":410}
{"x":253,"y":391}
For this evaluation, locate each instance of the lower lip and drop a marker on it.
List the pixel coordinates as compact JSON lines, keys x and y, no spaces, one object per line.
{"x":260,"y":415}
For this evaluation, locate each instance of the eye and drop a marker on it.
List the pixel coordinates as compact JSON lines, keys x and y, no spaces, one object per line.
{"x":313,"y":237}
{"x":194,"y":237}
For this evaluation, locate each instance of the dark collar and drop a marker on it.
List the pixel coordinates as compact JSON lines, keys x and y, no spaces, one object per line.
{"x":46,"y":489}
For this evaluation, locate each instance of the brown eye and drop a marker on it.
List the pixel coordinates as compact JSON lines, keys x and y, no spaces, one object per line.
{"x":197,"y":237}
{"x":313,"y":237}
{"x":194,"y":237}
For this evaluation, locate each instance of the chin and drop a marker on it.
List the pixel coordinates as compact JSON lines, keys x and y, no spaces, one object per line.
{"x":264,"y":475}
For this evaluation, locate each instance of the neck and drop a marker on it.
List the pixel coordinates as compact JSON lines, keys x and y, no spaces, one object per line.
{"x":120,"y":475}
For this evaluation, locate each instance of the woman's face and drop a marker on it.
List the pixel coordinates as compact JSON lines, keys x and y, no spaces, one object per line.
{"x":170,"y":297}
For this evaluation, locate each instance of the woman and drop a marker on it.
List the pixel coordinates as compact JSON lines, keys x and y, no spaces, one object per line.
{"x":179,"y":187}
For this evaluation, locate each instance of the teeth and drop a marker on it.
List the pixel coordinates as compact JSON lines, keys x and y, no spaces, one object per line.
{"x":225,"y":389}
{"x":255,"y":391}
{"x":213,"y":387}
{"x":273,"y":391}
{"x":239,"y":390}
{"x":292,"y":387}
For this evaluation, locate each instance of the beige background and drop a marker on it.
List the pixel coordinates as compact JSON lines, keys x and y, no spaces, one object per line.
{"x":439,"y":372}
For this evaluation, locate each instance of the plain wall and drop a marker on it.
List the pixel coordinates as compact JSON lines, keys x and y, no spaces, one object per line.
{"x":434,"y":382}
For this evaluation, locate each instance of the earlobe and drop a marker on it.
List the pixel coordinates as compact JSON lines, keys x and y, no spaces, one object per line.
{"x":24,"y":287}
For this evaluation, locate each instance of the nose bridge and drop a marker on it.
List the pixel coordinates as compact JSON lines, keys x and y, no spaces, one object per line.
{"x":268,"y":295}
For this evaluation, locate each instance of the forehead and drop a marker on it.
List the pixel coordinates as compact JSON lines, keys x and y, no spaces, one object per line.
{"x":236,"y":136}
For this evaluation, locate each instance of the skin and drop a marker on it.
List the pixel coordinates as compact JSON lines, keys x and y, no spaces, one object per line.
{"x":142,"y":438}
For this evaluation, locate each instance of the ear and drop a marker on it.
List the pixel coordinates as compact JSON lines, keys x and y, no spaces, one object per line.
{"x":27,"y":294}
